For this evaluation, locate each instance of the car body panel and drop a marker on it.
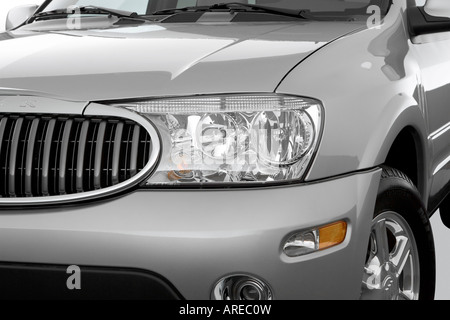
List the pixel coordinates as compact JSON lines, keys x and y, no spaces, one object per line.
{"x":384,"y":60}
{"x":373,"y":83}
{"x":161,"y":59}
{"x":160,"y":231}
{"x":371,"y":70}
{"x":433,"y":61}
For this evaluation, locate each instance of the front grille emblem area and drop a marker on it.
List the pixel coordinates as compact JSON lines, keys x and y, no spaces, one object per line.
{"x":55,"y":158}
{"x":28,"y":104}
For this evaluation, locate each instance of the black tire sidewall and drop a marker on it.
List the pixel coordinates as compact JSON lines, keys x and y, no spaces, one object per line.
{"x":398,"y":194}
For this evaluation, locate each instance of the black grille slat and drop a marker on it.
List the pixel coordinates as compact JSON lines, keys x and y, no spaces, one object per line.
{"x":80,"y":157}
{"x":146,"y":148}
{"x":9,"y":130}
{"x":56,"y":155}
{"x":65,"y":141}
{"x":3,"y":133}
{"x":115,"y":179}
{"x":30,"y":157}
{"x":90,"y":159}
{"x":43,"y":156}
{"x":134,"y":151}
{"x":126,"y":155}
{"x":105,"y":175}
{"x":72,"y":156}
{"x":23,"y":145}
{"x":3,"y":123}
{"x":13,"y":156}
{"x":39,"y":158}
{"x":99,"y":155}
{"x":46,"y":157}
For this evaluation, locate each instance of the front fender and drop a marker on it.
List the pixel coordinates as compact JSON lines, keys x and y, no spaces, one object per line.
{"x":369,"y":85}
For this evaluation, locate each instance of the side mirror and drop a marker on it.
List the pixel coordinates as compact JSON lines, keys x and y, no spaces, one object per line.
{"x":18,"y":15}
{"x":432,"y":18}
{"x":438,"y":8}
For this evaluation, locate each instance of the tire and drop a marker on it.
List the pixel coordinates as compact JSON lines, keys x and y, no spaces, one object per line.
{"x":400,"y":260}
{"x":444,"y":210}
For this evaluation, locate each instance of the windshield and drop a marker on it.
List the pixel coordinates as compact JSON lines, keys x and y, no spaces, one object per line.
{"x":148,"y":7}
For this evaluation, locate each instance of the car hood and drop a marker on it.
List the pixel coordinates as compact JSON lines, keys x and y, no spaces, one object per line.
{"x":159,"y":59}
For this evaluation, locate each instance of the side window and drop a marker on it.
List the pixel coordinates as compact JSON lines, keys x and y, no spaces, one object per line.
{"x":420,"y":3}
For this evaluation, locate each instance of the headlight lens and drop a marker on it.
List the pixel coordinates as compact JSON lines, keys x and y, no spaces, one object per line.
{"x":236,"y":139}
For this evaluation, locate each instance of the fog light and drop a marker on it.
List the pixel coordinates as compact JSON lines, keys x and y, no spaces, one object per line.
{"x":241,"y":287}
{"x":316,"y":239}
{"x":250,"y":292}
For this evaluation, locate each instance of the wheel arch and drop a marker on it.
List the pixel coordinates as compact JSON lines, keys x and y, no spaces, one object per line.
{"x":405,"y":148}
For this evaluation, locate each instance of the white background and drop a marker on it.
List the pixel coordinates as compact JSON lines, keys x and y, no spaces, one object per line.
{"x":441,"y":233}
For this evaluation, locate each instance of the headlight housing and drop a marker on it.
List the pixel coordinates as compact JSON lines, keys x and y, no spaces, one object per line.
{"x":233,"y":139}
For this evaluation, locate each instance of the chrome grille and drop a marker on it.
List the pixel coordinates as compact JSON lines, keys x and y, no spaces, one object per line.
{"x":48,"y":155}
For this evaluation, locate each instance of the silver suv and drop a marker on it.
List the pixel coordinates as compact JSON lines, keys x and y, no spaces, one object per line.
{"x":246,"y":150}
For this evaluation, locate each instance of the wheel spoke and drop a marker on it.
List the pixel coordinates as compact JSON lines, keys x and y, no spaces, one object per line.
{"x":371,"y":280}
{"x":401,"y":253}
{"x":381,"y":241}
{"x":403,"y":296}
{"x":392,"y":265}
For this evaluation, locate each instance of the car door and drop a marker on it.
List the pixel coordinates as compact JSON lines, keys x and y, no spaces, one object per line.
{"x":433,"y":55}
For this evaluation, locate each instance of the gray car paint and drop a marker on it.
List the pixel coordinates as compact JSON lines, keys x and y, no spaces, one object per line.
{"x":194,"y":238}
{"x":372,"y":82}
{"x":161,"y":59}
{"x":388,"y":83}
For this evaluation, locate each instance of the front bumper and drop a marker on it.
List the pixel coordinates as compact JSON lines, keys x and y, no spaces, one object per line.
{"x":194,"y":238}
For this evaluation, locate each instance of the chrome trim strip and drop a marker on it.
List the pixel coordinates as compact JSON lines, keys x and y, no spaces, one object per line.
{"x":95,"y":109}
{"x":441,"y":165}
{"x":439,"y":132}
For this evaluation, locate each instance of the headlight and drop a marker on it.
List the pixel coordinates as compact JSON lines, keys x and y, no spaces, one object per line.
{"x":237,"y":139}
